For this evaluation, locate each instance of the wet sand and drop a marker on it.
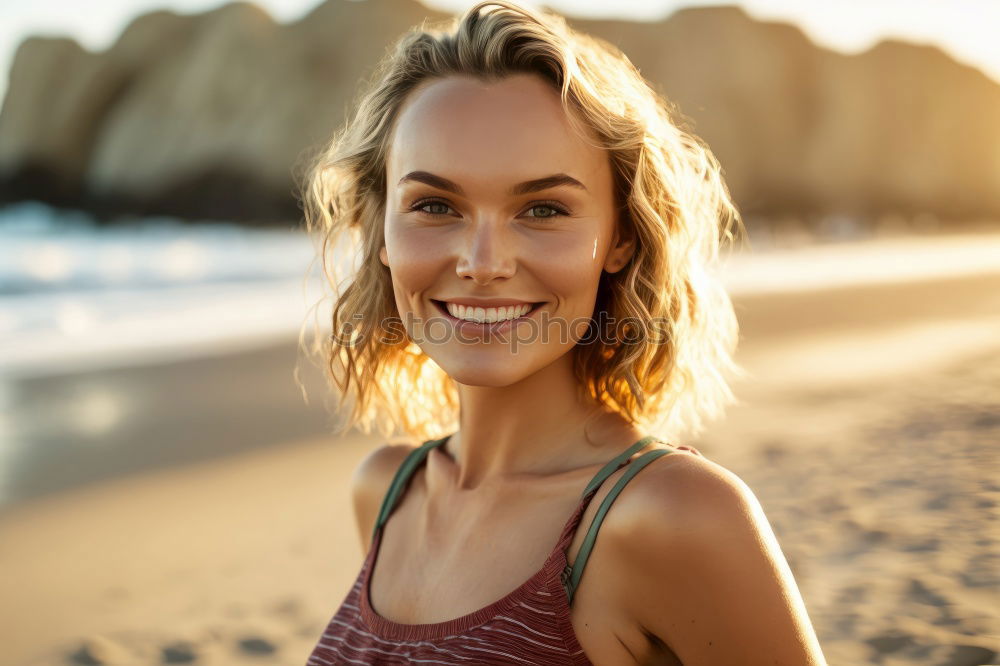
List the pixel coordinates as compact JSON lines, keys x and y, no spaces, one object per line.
{"x":869,"y":430}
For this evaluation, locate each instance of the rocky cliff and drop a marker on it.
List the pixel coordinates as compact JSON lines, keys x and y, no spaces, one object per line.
{"x":208,"y":115}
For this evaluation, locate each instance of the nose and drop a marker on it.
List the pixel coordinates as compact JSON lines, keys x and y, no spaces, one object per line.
{"x":487,"y":254}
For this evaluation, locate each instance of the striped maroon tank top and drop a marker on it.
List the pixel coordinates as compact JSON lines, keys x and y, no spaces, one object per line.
{"x":530,"y":625}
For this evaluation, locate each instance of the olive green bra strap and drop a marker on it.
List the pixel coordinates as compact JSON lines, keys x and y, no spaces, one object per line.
{"x":403,"y":474}
{"x":588,"y":543}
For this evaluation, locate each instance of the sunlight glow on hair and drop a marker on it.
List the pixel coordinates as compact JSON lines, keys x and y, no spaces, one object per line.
{"x":668,"y":187}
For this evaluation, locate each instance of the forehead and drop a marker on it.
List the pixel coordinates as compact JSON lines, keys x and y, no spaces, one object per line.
{"x":490,"y":133}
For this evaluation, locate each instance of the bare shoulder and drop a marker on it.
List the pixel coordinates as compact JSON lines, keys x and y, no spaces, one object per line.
{"x":674,"y":495}
{"x":370,"y":482}
{"x":691,"y":484}
{"x":703,"y":570}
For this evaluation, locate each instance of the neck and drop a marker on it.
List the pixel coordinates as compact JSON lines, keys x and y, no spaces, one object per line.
{"x":536,"y":427}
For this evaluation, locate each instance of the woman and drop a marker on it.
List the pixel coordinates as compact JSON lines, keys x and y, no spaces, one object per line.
{"x":534,"y":232}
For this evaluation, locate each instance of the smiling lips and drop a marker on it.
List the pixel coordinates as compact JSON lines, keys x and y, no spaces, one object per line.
{"x":487,"y":312}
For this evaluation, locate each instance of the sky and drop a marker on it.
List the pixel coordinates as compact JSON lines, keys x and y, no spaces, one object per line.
{"x":966,"y":29}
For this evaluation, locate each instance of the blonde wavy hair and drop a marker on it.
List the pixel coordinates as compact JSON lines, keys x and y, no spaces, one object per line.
{"x":669,"y":193}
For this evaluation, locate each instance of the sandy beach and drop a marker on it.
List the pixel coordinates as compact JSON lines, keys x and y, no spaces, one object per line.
{"x":869,"y":431}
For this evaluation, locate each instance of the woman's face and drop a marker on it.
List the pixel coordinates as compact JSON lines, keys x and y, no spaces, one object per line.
{"x":493,"y":200}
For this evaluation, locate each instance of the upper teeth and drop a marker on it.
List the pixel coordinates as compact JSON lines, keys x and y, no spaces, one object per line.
{"x":487,"y":315}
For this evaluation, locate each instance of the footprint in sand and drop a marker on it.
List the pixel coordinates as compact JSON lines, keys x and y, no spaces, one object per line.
{"x":860,"y":539}
{"x":919,"y":592}
{"x":985,"y":503}
{"x":927,"y":545}
{"x":774,"y":452}
{"x":847,"y":624}
{"x":256,"y":645}
{"x":852,"y":594}
{"x":830,"y":504}
{"x":971,"y":655}
{"x":179,"y":652}
{"x":890,"y":641}
{"x":939,"y":502}
{"x":982,"y":570}
{"x":99,"y":650}
{"x":935,"y":596}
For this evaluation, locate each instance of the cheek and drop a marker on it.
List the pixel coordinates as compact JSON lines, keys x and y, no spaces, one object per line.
{"x":414,"y":257}
{"x":567,"y":263}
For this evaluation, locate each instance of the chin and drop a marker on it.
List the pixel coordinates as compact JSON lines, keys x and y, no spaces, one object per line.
{"x":486,"y":372}
{"x":496,"y":377}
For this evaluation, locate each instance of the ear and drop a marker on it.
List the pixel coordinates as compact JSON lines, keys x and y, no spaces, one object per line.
{"x":622,"y":249}
{"x":383,"y":256}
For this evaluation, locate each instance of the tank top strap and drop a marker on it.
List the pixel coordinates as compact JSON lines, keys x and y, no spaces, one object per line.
{"x":410,"y":464}
{"x":613,"y":465}
{"x":572,"y":573}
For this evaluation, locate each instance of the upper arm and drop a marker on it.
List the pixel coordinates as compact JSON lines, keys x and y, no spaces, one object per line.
{"x":369,"y":484}
{"x":706,"y":573}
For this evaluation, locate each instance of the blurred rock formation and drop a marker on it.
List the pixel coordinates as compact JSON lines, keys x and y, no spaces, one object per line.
{"x":210,"y":115}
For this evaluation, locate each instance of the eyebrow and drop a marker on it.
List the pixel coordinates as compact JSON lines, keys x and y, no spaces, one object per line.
{"x":527,"y":187}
